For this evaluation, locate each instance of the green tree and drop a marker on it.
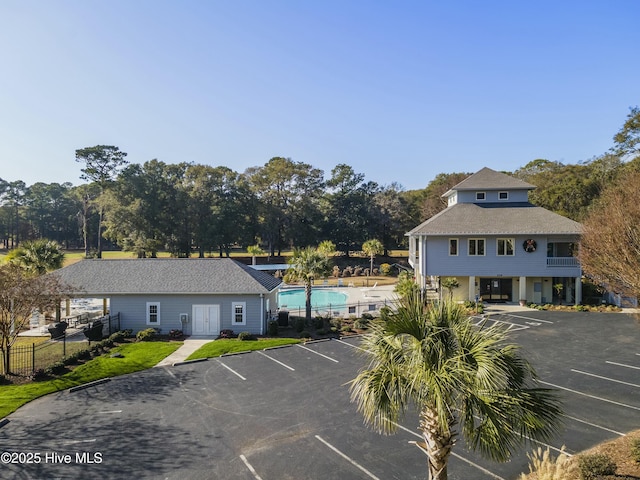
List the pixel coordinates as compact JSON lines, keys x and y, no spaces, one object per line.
{"x":254,"y":250}
{"x":627,"y":140}
{"x":371,"y":248}
{"x":305,"y":265}
{"x":287,"y":194}
{"x":450,"y":283}
{"x":406,"y":284}
{"x":37,"y":256}
{"x":101,"y":165}
{"x":463,"y":380}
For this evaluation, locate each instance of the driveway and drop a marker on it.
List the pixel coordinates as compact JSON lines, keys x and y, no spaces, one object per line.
{"x":285,"y":413}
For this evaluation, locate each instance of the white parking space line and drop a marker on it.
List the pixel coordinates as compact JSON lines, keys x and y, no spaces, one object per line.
{"x":277,"y":361}
{"x":352,"y":346}
{"x":622,"y":365}
{"x":251,"y":469}
{"x":317,"y":353}
{"x":591,"y":396}
{"x":605,"y":378}
{"x":231,"y":370}
{"x":595,"y":426}
{"x":531,"y":319}
{"x":482,"y":469}
{"x":353,"y":462}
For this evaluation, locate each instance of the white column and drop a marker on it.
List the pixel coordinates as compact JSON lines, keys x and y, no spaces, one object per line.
{"x":578,"y":292}
{"x":522,"y":289}
{"x":472,"y":288}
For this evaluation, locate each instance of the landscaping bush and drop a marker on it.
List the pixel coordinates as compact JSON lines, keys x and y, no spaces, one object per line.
{"x":592,"y":467}
{"x":300,"y":324}
{"x":346,"y":329}
{"x":243,"y":336}
{"x":176,"y":334}
{"x":226,"y":333}
{"x":335,"y":323}
{"x":56,"y":368}
{"x":146,"y":335}
{"x":272,"y":328}
{"x":120,"y":336}
{"x":305,"y":334}
{"x":367,"y":316}
{"x":361,"y":324}
{"x":318,"y":323}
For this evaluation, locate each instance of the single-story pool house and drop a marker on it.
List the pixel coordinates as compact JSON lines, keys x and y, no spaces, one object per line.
{"x":200,"y":296}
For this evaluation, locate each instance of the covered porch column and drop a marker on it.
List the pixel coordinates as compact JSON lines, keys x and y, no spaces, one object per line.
{"x":522,"y":289}
{"x":472,"y":288}
{"x":578,"y":290}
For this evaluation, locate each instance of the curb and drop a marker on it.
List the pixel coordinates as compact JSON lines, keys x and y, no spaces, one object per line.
{"x":90,"y":384}
{"x":187,"y":362}
{"x":236,"y":353}
{"x":3,"y":422}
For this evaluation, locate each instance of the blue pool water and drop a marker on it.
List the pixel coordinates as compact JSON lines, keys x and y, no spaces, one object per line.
{"x":320,"y":298}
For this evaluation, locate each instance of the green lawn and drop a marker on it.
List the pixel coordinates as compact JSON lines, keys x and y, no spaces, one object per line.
{"x":233,"y":345}
{"x":136,"y":356}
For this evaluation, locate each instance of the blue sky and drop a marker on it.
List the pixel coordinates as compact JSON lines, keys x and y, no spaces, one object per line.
{"x":399,"y":90}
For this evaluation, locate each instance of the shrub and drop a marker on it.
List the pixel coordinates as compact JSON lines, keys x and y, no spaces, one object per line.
{"x":176,"y":334}
{"x":120,"y":336}
{"x":357,"y":271}
{"x":305,"y":334}
{"x":336,"y":271}
{"x":226,"y":333}
{"x":243,"y":336}
{"x":346,"y":328}
{"x":335,"y":323}
{"x":272,"y":328}
{"x":361,"y":324}
{"x":146,"y":335}
{"x":596,"y":465}
{"x":635,"y":449}
{"x":299,"y":323}
{"x":318,"y":323}
{"x":56,"y":368}
{"x":367,"y":316}
{"x":321,"y":332}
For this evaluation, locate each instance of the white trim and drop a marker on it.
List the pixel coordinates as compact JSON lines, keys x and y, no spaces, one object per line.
{"x":505,"y":198}
{"x":156,"y":313}
{"x":234,"y":313}
{"x":457,"y":247}
{"x":484,"y":196}
{"x":513,"y":247}
{"x":484,"y":247}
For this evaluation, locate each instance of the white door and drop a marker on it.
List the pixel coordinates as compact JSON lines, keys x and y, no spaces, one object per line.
{"x":206,"y":320}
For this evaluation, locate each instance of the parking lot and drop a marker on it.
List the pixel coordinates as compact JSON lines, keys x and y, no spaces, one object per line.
{"x":285,"y":413}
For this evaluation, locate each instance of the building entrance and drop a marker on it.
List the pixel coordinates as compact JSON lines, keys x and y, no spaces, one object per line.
{"x":496,"y":289}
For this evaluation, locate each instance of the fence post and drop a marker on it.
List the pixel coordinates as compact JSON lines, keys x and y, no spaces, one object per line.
{"x":33,"y":357}
{"x":64,"y":344}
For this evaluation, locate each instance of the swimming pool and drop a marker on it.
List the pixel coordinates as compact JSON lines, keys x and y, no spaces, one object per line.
{"x":320,"y":298}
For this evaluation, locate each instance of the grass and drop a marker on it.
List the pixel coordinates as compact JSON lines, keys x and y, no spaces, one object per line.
{"x":233,"y":345}
{"x":136,"y":357}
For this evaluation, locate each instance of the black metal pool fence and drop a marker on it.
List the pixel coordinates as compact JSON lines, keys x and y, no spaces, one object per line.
{"x":27,"y":359}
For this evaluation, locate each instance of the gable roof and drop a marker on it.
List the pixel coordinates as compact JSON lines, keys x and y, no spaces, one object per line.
{"x":166,"y":276}
{"x":497,"y":219}
{"x":487,"y":179}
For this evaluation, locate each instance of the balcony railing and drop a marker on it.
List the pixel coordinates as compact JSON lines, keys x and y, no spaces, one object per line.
{"x":562,"y":262}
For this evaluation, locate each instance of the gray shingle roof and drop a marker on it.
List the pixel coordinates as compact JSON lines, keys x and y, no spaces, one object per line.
{"x":497,"y":219}
{"x":487,"y":179}
{"x":166,"y":276}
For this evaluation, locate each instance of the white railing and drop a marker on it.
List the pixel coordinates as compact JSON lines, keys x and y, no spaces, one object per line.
{"x":562,"y":262}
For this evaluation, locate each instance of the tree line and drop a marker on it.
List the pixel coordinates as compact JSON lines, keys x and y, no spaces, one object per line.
{"x":189,"y":208}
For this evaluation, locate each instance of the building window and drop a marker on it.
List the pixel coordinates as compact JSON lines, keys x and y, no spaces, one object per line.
{"x":453,"y":246}
{"x":153,"y":313}
{"x":476,"y":246}
{"x":503,"y":195}
{"x":481,"y":195}
{"x":505,"y":247}
{"x":239,"y":313}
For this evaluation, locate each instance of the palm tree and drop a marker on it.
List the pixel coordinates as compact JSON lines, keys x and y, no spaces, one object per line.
{"x":305,"y":265}
{"x":37,"y":256}
{"x":462,"y":379}
{"x":254,"y":250}
{"x":372,"y":248}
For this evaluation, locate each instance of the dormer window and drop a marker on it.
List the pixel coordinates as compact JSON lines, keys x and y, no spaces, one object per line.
{"x":481,"y":196}
{"x":503,"y":195}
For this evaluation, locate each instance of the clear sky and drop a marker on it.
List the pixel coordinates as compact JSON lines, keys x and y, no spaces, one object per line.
{"x":399,"y":90}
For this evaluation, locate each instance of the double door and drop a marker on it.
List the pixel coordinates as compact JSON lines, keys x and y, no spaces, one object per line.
{"x":206,"y":320}
{"x":496,"y":289}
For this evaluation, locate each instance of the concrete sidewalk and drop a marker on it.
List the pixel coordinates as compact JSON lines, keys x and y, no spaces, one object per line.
{"x":180,"y":355}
